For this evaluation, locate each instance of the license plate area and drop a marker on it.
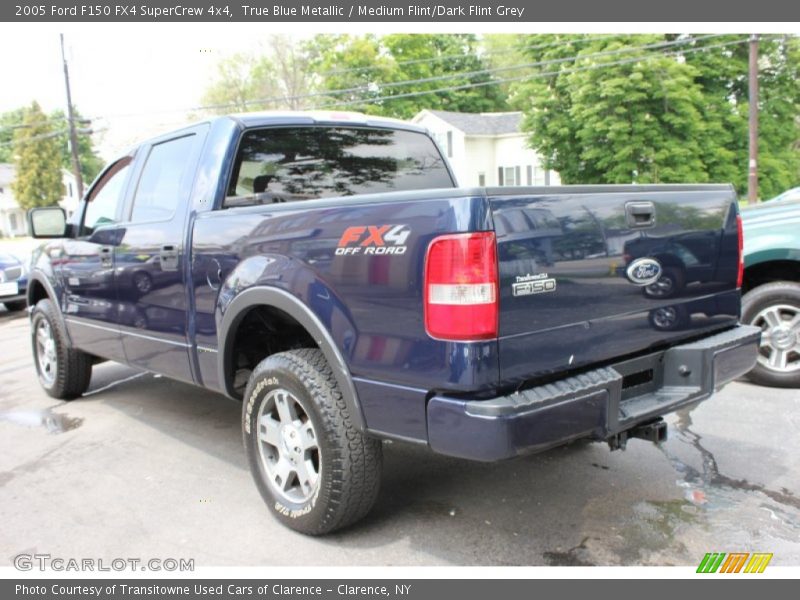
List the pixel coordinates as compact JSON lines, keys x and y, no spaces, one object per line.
{"x":9,"y":288}
{"x":641,"y":375}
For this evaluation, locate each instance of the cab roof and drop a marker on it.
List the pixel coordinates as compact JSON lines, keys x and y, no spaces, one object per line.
{"x":267,"y":118}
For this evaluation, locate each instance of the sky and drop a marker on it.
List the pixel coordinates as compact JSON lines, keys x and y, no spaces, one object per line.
{"x":137,"y":80}
{"x":130,"y":80}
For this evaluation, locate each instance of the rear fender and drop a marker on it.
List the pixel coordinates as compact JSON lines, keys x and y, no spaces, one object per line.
{"x":263,"y":274}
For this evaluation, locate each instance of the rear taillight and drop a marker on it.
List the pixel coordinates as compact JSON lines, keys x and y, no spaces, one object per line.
{"x":740,"y":233}
{"x":461,"y":287}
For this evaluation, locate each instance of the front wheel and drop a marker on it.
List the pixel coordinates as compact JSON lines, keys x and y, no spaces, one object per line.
{"x":312,"y":466}
{"x":63,"y":372}
{"x":16,"y":305}
{"x":775,"y":307}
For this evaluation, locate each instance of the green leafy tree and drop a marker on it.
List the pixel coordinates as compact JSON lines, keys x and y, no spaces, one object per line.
{"x":638,"y":122}
{"x":9,"y":123}
{"x":661,"y":118}
{"x":240,"y":80}
{"x":723,"y":75}
{"x":373,"y":68}
{"x":279,"y":77}
{"x":37,"y":158}
{"x":91,"y":163}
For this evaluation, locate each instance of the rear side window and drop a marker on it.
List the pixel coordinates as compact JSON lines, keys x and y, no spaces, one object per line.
{"x":303,"y":163}
{"x":159,"y":191}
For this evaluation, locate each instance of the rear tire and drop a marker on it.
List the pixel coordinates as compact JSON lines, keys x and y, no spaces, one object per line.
{"x":775,"y":307}
{"x":312,"y":466}
{"x":16,"y":306}
{"x":63,"y":372}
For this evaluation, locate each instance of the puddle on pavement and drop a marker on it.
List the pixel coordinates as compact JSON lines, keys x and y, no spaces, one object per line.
{"x":51,"y":421}
{"x":714,"y":506}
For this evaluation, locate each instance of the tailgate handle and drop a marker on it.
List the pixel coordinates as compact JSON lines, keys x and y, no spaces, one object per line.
{"x":640,"y":214}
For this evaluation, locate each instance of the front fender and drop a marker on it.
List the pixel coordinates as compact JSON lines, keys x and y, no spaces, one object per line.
{"x":38,"y":276}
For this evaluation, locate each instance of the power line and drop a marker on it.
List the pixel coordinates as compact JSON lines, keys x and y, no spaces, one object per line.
{"x":36,"y":138}
{"x":554,"y":61}
{"x":487,"y":71}
{"x":48,"y":120}
{"x":455,"y":56}
{"x":526,"y":77}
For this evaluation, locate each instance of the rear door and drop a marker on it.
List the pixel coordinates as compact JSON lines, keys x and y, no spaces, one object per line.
{"x":150,"y":259}
{"x":576,"y":263}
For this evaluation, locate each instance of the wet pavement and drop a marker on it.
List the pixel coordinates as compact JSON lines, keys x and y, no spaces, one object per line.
{"x":146,"y":467}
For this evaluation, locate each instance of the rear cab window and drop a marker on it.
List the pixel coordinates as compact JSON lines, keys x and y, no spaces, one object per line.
{"x":286,"y":164}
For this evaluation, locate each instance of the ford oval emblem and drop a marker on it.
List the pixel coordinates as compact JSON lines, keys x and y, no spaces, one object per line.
{"x":644,"y":271}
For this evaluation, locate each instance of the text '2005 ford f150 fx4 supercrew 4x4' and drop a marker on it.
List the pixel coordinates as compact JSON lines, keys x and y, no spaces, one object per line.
{"x":326,"y":271}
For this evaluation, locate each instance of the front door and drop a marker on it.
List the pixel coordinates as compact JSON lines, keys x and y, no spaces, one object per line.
{"x":85,"y":267}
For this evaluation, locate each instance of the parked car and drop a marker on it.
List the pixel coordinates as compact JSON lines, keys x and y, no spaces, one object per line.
{"x":772,"y":288}
{"x":325,"y":271}
{"x":13,"y":282}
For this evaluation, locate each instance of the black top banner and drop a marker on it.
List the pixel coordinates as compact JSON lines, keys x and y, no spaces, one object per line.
{"x":411,"y":11}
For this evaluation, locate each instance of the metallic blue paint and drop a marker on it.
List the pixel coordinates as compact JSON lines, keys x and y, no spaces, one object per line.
{"x":369,"y":307}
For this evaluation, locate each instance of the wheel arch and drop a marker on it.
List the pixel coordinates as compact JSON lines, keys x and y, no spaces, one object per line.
{"x":279,"y":299}
{"x":768,"y":268}
{"x":39,"y":288}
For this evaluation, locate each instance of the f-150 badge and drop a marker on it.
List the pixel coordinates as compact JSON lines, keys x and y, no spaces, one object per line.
{"x":533,"y":284}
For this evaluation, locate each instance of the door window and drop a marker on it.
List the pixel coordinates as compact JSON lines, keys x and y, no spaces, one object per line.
{"x":105,"y":198}
{"x":159,"y":191}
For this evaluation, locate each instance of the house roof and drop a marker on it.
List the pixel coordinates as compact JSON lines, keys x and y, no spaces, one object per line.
{"x":497,"y":123}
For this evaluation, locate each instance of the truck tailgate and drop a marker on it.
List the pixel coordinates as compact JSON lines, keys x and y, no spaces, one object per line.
{"x":588,"y":274}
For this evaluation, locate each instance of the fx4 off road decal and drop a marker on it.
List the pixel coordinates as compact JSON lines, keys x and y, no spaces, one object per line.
{"x":373,"y":239}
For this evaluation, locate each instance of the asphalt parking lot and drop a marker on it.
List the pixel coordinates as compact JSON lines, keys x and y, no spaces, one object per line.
{"x":145,"y":467}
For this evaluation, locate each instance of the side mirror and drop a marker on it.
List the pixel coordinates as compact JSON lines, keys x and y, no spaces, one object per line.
{"x":47,"y":222}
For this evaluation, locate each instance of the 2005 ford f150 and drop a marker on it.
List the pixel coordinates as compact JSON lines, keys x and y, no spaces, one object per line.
{"x":326,"y":271}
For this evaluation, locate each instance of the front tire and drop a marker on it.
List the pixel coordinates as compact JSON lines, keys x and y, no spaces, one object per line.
{"x":63,"y":372}
{"x":312,"y":466}
{"x":775,"y":307}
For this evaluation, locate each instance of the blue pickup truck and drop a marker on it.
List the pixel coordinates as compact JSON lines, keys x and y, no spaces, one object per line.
{"x":327,"y":272}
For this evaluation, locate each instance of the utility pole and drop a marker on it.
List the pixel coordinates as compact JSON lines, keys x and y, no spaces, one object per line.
{"x":752,"y":172}
{"x":73,"y":134}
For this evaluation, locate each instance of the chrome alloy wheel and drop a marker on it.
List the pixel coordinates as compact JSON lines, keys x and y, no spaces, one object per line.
{"x":288,"y":446}
{"x":780,"y":337}
{"x":46,"y":356}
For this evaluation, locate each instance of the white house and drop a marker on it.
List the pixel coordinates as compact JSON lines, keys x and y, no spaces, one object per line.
{"x":13,"y":222}
{"x":12,"y":217}
{"x":486,"y":149}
